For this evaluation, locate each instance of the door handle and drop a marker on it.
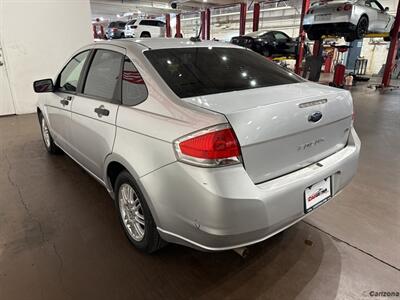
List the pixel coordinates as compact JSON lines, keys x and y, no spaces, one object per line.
{"x":101,"y":111}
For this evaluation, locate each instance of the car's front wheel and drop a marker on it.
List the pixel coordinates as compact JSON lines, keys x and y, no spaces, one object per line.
{"x":135,"y":215}
{"x":51,"y":147}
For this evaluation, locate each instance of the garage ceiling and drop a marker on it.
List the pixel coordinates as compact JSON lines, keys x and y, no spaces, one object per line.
{"x":109,"y":9}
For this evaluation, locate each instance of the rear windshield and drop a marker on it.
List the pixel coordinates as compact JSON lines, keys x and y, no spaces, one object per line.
{"x":191,"y":72}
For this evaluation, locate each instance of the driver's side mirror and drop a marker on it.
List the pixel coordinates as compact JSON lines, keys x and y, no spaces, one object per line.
{"x":43,"y":86}
{"x":386,"y":9}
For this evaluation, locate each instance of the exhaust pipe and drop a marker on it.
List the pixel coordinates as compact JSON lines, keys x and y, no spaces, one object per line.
{"x":242,"y":251}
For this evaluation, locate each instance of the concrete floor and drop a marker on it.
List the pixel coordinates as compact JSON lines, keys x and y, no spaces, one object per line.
{"x":60,"y":237}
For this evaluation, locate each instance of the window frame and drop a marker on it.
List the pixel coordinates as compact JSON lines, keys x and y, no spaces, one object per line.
{"x":82,"y":81}
{"x":57,"y":84}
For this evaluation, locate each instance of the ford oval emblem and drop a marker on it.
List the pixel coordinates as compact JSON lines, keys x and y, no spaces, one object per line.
{"x":315,"y":117}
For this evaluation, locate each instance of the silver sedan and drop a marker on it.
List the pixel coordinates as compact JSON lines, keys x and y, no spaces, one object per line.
{"x":350,"y":19}
{"x":204,"y":144}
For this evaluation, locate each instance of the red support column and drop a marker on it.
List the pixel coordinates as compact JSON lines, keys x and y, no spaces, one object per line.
{"x":394,"y":40}
{"x":242,"y":25}
{"x":256,"y":16}
{"x":102,"y":32}
{"x":203,"y":25}
{"x":94,"y":31}
{"x":208,"y":23}
{"x":302,"y":36}
{"x":178,"y":26}
{"x":168,"y":25}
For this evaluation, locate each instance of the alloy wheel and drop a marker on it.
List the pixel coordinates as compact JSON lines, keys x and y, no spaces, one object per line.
{"x":131,"y":212}
{"x":46,"y":134}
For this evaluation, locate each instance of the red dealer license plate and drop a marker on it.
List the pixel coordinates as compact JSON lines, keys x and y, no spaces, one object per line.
{"x":317,"y":194}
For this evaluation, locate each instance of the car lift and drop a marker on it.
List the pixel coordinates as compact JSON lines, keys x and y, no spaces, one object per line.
{"x":394,"y":40}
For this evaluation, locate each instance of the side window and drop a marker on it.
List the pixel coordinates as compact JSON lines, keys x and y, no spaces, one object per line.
{"x":269,"y":37}
{"x":69,"y":77}
{"x":280,"y":36}
{"x":103,"y":76}
{"x":134,"y":90}
{"x":376,"y":5}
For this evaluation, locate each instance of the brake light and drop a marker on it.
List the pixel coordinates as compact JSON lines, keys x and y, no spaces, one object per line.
{"x":348,"y":7}
{"x":114,"y":29}
{"x":211,"y":147}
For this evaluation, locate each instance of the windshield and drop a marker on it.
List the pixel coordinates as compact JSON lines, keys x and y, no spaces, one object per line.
{"x":191,"y":72}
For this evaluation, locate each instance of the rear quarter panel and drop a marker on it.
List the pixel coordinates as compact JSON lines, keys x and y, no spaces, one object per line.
{"x":145,"y":132}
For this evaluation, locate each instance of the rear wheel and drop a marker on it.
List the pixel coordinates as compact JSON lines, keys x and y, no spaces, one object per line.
{"x":314,"y":36}
{"x":51,"y":147}
{"x":135,"y":215}
{"x":362,"y":28}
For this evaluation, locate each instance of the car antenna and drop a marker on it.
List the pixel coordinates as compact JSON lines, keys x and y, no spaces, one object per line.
{"x":196,"y":38}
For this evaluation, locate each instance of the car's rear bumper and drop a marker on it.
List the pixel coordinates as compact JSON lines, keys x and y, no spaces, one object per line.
{"x":221,"y":208}
{"x":331,"y":28}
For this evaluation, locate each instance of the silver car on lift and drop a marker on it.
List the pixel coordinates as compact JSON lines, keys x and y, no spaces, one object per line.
{"x":204,"y":144}
{"x":350,"y":19}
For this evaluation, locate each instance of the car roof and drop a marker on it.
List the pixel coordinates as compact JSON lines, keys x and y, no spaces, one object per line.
{"x":165,"y":43}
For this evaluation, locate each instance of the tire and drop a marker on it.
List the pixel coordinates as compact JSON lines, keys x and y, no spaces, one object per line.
{"x":314,"y":36}
{"x":122,"y":35}
{"x":48,"y":141}
{"x":145,"y":35}
{"x":135,"y":216}
{"x":361,"y":28}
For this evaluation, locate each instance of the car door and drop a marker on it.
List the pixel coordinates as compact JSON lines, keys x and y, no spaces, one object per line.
{"x":284,"y":43}
{"x":383,"y":17}
{"x":95,"y":108}
{"x":270,"y":43}
{"x":58,"y":104}
{"x":376,"y":15}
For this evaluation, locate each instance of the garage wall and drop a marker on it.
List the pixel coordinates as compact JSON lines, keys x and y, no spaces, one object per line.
{"x":37,"y":37}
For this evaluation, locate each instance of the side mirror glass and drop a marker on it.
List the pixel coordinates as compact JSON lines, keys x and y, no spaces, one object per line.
{"x":43,"y":86}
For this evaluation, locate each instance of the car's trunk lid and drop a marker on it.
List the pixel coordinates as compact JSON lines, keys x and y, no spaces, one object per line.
{"x":273,"y":127}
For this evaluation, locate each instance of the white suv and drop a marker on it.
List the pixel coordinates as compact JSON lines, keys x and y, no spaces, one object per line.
{"x":145,"y":28}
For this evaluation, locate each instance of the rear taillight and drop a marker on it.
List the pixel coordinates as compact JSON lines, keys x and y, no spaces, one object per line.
{"x":212,"y":147}
{"x":114,"y":29}
{"x":347,"y":7}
